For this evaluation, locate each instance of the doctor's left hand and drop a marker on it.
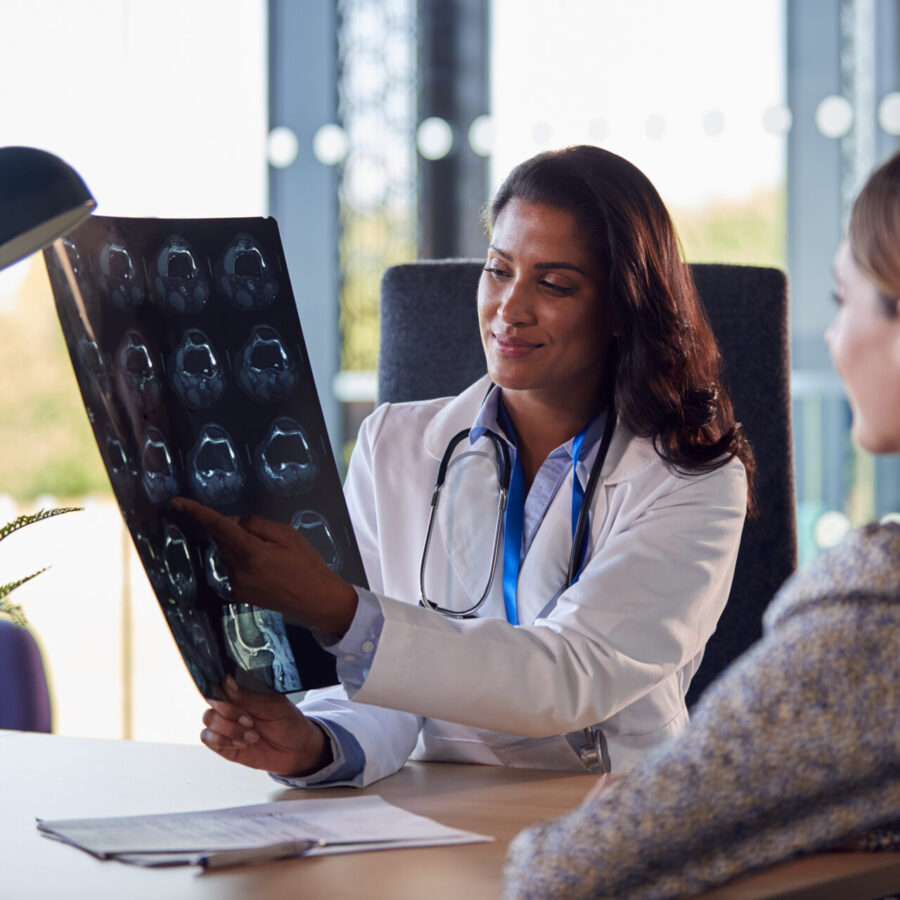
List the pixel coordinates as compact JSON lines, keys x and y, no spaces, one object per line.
{"x":272,"y":566}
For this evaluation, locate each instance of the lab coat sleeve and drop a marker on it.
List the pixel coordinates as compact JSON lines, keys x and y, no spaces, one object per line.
{"x":644,"y":607}
{"x":386,"y":736}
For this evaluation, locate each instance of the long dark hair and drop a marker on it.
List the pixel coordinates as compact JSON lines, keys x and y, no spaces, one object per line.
{"x":665,"y":364}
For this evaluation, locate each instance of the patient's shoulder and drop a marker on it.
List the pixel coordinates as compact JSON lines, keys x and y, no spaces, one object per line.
{"x":863,"y":569}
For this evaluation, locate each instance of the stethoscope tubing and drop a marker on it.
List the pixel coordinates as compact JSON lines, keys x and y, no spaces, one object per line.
{"x":505,"y":473}
{"x":505,"y":468}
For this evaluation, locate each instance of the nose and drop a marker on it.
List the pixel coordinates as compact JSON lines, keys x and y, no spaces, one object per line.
{"x":515,"y":307}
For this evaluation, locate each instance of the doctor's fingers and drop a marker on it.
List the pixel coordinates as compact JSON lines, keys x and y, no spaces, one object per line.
{"x":222,"y":733}
{"x":273,"y":532}
{"x":224,"y":529}
{"x":229,"y":711}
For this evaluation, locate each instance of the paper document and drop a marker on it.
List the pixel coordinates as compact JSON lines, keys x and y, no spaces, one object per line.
{"x":320,"y":826}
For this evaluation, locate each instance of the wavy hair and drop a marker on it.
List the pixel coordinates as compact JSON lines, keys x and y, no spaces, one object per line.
{"x":874,"y":232}
{"x":665,"y":364}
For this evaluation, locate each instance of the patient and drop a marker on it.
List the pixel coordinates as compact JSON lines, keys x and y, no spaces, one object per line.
{"x":795,"y":749}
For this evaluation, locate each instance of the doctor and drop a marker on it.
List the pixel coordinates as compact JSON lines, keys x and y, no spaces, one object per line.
{"x":628,"y":485}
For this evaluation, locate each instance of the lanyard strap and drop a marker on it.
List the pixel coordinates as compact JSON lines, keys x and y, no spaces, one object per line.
{"x":515,"y":524}
{"x":512,"y":540}
{"x":577,"y":500}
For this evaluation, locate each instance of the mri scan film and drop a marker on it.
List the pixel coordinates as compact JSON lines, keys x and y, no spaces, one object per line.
{"x":192,"y":366}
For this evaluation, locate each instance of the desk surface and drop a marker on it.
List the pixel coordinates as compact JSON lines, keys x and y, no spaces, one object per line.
{"x":53,"y":777}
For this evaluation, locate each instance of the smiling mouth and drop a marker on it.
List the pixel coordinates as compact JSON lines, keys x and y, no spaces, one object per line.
{"x":514,"y":347}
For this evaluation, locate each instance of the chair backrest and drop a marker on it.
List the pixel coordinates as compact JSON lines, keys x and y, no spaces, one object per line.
{"x":430,"y":347}
{"x":24,"y":695}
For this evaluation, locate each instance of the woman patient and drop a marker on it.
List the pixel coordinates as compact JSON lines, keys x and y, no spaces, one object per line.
{"x":795,"y":748}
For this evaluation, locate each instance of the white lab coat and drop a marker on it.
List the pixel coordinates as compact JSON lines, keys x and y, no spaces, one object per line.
{"x":619,"y":647}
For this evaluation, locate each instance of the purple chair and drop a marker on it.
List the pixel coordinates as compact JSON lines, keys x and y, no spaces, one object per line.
{"x":24,"y":694}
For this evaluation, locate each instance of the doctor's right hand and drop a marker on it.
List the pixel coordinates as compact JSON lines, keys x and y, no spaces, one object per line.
{"x":264,"y":731}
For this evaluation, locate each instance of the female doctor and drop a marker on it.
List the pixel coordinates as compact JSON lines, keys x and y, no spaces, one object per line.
{"x":628,"y":485}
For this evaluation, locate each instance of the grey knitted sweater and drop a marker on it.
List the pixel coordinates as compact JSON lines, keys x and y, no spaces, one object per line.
{"x":796,"y":747}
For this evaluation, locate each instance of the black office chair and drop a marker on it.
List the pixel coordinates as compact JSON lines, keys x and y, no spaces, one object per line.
{"x":430,"y":347}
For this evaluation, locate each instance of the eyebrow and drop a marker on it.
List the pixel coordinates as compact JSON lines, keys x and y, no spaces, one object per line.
{"x":543,"y":265}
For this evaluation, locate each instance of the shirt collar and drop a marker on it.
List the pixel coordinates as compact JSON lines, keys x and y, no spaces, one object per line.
{"x":491,"y":417}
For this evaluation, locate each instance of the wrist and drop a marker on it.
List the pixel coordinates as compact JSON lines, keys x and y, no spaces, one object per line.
{"x":315,"y":756}
{"x":338,"y":617}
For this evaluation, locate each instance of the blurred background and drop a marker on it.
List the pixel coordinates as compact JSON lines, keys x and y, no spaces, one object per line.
{"x":374,"y":131}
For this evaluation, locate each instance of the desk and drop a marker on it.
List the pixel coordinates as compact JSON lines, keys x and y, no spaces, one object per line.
{"x":57,"y":777}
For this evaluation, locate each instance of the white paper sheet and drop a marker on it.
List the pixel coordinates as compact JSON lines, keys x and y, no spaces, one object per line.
{"x":334,"y":825}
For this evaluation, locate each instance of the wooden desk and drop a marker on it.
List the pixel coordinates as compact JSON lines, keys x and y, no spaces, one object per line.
{"x":56,"y":777}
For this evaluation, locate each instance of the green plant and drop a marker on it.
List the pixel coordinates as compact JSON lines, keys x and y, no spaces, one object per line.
{"x":11,"y":609}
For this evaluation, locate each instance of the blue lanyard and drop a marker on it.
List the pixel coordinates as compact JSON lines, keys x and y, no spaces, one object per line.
{"x":515,"y":523}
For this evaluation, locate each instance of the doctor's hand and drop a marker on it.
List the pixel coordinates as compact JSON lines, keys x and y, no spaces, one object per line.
{"x":264,"y":731}
{"x":272,"y":566}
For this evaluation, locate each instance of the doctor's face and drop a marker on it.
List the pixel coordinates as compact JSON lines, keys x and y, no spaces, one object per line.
{"x":544,"y":319}
{"x":864,"y":340}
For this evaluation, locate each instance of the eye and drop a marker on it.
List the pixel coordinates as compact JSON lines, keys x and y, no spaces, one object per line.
{"x":838,"y":299}
{"x":493,"y":269}
{"x":559,"y":290}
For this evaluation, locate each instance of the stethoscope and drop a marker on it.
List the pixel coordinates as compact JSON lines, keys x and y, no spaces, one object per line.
{"x":596,"y":754}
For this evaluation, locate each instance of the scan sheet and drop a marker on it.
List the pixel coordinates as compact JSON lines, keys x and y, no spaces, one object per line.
{"x":187,"y":347}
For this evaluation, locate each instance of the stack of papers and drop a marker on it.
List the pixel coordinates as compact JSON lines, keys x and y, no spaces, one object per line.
{"x":244,"y":835}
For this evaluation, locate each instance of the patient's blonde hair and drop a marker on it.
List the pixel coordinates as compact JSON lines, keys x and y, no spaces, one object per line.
{"x":875,"y":232}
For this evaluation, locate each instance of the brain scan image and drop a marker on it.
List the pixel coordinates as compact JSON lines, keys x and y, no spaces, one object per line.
{"x":150,"y":561}
{"x":215,"y":470}
{"x":171,"y":574}
{"x":245,"y":276}
{"x":95,"y":365}
{"x":216,"y":575}
{"x":119,"y":465}
{"x":177,"y":565}
{"x":317,"y":531}
{"x":120,"y":279}
{"x":79,"y":269}
{"x":178,"y":278}
{"x":284,"y":460}
{"x":159,"y":476}
{"x":196,"y":372}
{"x":198,"y":646}
{"x":257,"y":641}
{"x":263,"y":367}
{"x":138,"y":373}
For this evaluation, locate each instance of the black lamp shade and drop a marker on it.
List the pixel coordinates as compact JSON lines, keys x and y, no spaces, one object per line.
{"x":41,"y":199}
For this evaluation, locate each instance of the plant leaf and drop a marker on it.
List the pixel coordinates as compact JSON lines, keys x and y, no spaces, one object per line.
{"x":7,"y":589}
{"x":39,"y":516}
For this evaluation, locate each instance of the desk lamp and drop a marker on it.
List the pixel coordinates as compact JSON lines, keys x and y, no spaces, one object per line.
{"x":41,"y":199}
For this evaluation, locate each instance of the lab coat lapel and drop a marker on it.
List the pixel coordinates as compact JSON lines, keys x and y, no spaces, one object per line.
{"x":542,"y":577}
